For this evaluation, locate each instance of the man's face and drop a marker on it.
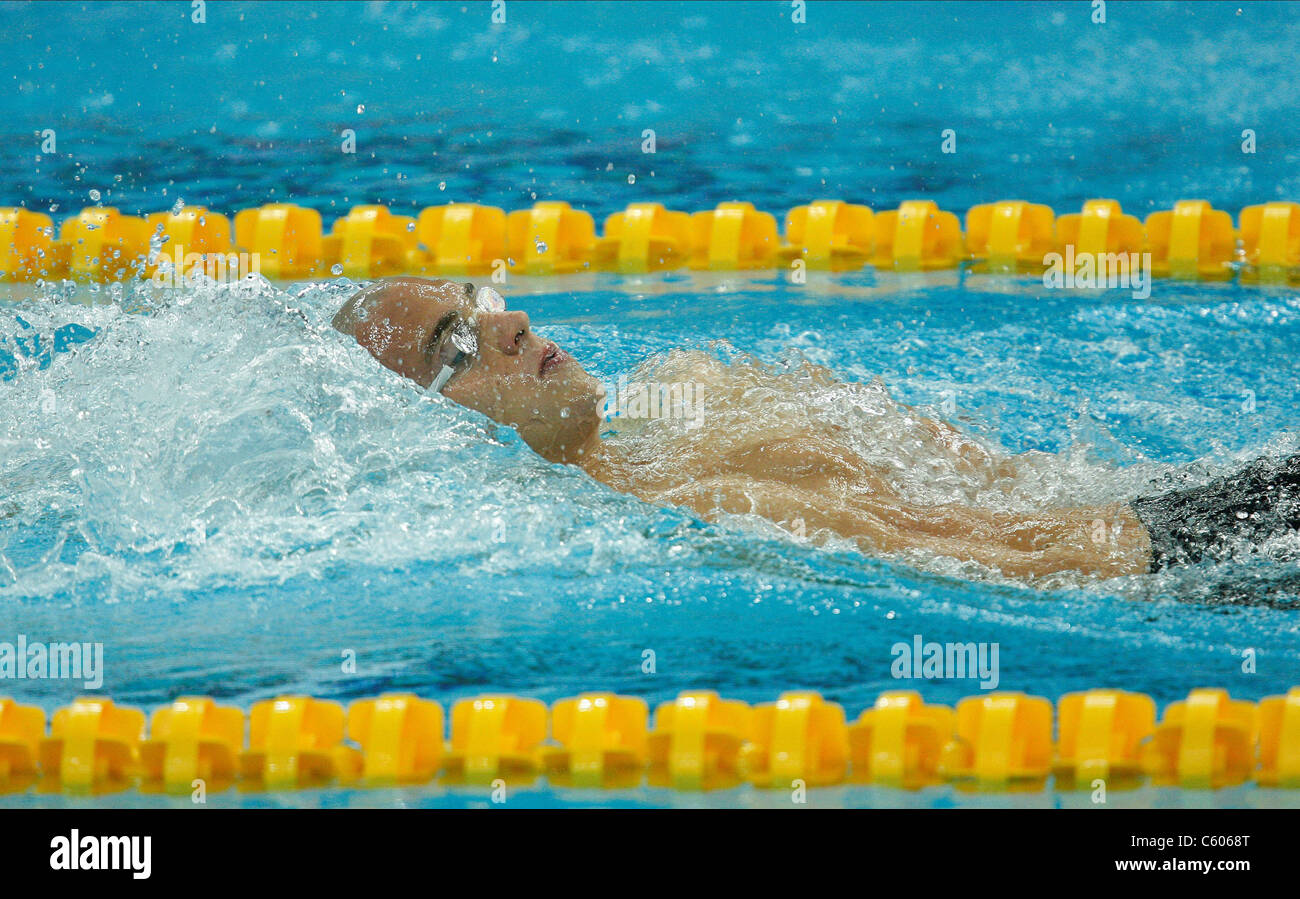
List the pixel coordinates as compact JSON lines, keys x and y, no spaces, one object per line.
{"x":415,"y":326}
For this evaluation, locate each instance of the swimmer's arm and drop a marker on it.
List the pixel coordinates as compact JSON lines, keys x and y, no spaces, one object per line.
{"x":1016,"y":545}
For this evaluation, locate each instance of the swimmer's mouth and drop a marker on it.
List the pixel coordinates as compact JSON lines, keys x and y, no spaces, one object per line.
{"x":551,"y":357}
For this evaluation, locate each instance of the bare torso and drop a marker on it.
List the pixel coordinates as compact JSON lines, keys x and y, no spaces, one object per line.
{"x":812,"y":482}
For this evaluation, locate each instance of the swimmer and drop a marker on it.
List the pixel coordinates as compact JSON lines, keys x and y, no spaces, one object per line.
{"x":462,"y":342}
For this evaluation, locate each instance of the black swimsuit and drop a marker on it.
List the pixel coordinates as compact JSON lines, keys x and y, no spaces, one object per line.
{"x":1260,"y":501}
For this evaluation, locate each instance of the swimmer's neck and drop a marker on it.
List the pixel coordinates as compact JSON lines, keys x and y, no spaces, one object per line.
{"x":607,"y":461}
{"x":597,"y":459}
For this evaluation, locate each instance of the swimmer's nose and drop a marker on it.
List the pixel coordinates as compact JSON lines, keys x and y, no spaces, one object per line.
{"x":507,"y":331}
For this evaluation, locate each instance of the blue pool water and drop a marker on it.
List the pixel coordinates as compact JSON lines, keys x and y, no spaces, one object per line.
{"x":230,"y":498}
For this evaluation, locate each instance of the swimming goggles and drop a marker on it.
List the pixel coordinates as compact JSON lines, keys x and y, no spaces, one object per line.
{"x":461,"y":349}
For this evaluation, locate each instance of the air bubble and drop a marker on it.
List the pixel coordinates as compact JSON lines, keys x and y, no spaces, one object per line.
{"x":94,"y":195}
{"x":631,"y":179}
{"x":336,"y":269}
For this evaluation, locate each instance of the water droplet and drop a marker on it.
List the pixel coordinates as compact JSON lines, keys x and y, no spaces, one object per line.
{"x":631,"y":179}
{"x":488,"y":300}
{"x":336,"y":269}
{"x":178,"y":206}
{"x":410,"y":226}
{"x":361,"y":107}
{"x":540,"y":245}
{"x":564,"y":413}
{"x":442,"y":185}
{"x":94,"y":195}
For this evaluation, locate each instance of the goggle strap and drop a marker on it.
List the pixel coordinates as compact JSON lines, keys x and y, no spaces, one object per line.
{"x":441,"y":378}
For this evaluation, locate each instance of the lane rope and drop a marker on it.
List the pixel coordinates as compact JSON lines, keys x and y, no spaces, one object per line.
{"x":997,"y":741}
{"x":1097,"y":246}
